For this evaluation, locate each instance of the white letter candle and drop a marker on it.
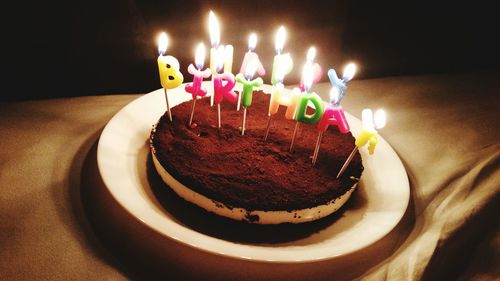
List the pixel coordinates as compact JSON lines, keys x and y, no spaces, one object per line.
{"x":168,"y":68}
{"x":214,"y":30}
{"x":279,"y":97}
{"x":281,"y":60}
{"x":316,"y":70}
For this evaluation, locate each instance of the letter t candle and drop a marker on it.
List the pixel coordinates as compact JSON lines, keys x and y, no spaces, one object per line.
{"x":248,"y":85}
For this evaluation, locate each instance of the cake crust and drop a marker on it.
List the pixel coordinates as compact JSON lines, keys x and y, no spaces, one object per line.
{"x":246,"y":171}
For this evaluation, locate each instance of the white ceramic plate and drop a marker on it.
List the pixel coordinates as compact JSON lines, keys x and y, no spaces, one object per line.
{"x":376,"y":208}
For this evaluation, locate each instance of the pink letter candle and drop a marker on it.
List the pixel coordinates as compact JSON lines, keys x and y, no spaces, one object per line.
{"x":224,"y":91}
{"x":333,"y":115}
{"x":195,"y":88}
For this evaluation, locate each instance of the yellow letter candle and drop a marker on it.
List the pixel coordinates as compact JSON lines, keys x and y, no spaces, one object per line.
{"x":168,"y":67}
{"x":368,"y":134}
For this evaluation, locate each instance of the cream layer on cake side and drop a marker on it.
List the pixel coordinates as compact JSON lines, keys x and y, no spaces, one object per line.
{"x":252,"y":216}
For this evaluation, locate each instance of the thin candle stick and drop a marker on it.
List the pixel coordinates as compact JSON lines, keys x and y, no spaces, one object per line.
{"x":316,"y":149}
{"x":239,"y":101}
{"x":268,"y":126}
{"x":218,"y":115}
{"x":192,"y":112}
{"x":213,"y":92}
{"x":294,"y":135}
{"x":244,"y":120}
{"x":168,"y":105}
{"x":349,"y":159}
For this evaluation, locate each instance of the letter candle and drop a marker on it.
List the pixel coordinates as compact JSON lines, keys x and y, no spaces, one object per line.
{"x":222,"y":91}
{"x":214,"y":30}
{"x":195,"y":88}
{"x":168,"y":68}
{"x":341,"y":84}
{"x":334,"y":114}
{"x":316,"y":69}
{"x":307,"y":97}
{"x":251,"y":55}
{"x":248,"y":85}
{"x":368,"y":134}
{"x":279,"y":97}
{"x":281,"y":60}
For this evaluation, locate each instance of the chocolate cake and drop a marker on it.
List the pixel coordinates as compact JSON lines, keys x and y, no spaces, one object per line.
{"x":245,"y":177}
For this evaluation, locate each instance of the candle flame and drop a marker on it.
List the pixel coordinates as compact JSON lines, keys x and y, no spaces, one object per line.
{"x":380,"y":119}
{"x":311,"y":54}
{"x":307,"y":75}
{"x":220,"y":54}
{"x":199,"y":58}
{"x":251,"y":69}
{"x":367,"y":119}
{"x":280,"y":39}
{"x":334,"y":96}
{"x":252,"y":42}
{"x":349,"y":72}
{"x":214,"y":29}
{"x":162,"y":43}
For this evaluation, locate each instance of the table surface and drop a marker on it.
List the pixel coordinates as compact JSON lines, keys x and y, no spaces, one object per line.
{"x":444,"y":128}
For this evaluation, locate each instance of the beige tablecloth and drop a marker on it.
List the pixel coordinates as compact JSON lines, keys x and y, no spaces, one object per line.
{"x":443,"y":127}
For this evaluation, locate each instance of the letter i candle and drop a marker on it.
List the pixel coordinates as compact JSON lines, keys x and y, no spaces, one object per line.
{"x":368,"y":135}
{"x":195,"y":88}
{"x":168,"y":67}
{"x":334,"y":114}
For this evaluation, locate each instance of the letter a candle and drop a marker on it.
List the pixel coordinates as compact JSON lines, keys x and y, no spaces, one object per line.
{"x":168,"y":67}
{"x":334,"y":114}
{"x":368,"y":134}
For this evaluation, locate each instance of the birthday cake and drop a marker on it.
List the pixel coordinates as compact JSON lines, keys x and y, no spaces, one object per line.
{"x":247,"y":178}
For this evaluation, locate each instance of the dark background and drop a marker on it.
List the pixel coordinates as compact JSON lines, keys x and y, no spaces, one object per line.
{"x":95,"y":47}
